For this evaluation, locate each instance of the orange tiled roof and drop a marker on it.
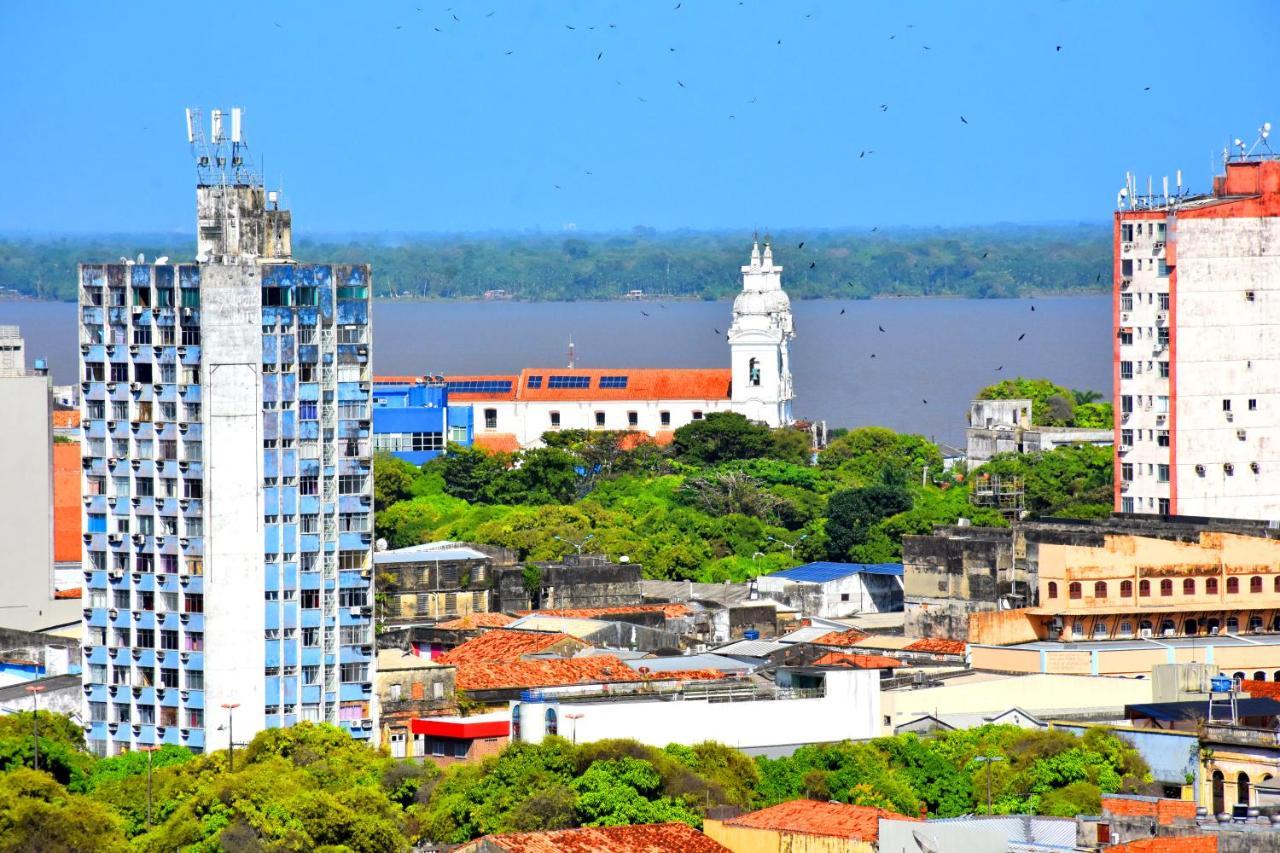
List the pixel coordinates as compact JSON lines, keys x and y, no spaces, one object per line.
{"x":67,"y":540}
{"x":642,"y":384}
{"x":477,"y":620}
{"x":671,"y":610}
{"x":1169,"y":844}
{"x":1261,"y":689}
{"x":640,"y":838}
{"x":499,"y":442}
{"x":841,"y":820}
{"x":66,"y":418}
{"x":63,"y":594}
{"x":857,"y":661}
{"x":850,"y":637}
{"x":503,"y":645}
{"x":936,"y":646}
{"x":560,"y":672}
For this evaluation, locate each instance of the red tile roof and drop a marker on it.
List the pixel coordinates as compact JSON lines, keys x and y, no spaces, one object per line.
{"x":641,"y":838}
{"x":1169,"y":844}
{"x":671,"y":611}
{"x":477,"y":620}
{"x":936,"y":646}
{"x":64,"y":594}
{"x":66,"y":418}
{"x":503,"y":645}
{"x":561,"y":672}
{"x":841,"y":820}
{"x":496,"y":442}
{"x":67,"y":541}
{"x":642,"y":384}
{"x":850,"y":637}
{"x":857,"y":661}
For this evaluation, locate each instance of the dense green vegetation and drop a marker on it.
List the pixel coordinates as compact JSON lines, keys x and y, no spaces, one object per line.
{"x":1053,"y":405}
{"x":726,"y":501}
{"x":312,"y":787}
{"x":975,"y":262}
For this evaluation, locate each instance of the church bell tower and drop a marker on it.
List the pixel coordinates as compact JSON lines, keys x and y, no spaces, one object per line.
{"x":759,"y":342}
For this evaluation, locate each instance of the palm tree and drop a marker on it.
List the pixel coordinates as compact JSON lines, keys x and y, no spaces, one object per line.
{"x":1082,"y":397}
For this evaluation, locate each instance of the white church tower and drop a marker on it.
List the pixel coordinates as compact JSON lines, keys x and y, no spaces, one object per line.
{"x":759,"y":342}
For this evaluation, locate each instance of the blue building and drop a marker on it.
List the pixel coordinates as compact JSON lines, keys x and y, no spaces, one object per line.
{"x":226,"y":411}
{"x":412,"y":418}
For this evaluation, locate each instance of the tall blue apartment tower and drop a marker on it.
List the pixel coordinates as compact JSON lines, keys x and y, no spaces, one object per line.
{"x":226,"y":411}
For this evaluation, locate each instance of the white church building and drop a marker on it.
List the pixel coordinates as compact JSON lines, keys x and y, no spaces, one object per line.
{"x":513,"y":411}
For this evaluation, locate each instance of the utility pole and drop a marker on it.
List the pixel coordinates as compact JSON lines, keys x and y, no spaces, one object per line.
{"x":148,"y":750}
{"x":987,"y":759}
{"x":789,"y":545}
{"x":35,"y":690}
{"x":230,"y":708}
{"x":576,"y":544}
{"x":574,"y":718}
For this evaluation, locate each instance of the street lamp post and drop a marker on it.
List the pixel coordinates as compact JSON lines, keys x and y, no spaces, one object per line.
{"x":575,"y":718}
{"x":790,"y":545}
{"x":148,"y":750}
{"x":987,"y":759}
{"x":230,"y":707}
{"x":35,"y":690}
{"x":576,"y":544}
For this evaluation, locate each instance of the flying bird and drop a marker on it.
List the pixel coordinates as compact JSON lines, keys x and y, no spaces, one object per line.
{"x":569,"y":27}
{"x":926,"y":47}
{"x":1058,"y":49}
{"x":881,"y":328}
{"x":509,"y":52}
{"x":678,"y":5}
{"x":645,"y":313}
{"x":963,"y":119}
{"x":490,"y":15}
{"x":884,"y":108}
{"x":598,"y":55}
{"x":984,"y":255}
{"x":877,"y":228}
{"x":437,"y":29}
{"x":779,"y":41}
{"x":717,"y":331}
{"x":842,"y":312}
{"x":926,"y":402}
{"x":1033,"y":307}
{"x":1098,"y":279}
{"x":1000,"y":368}
{"x":456,"y":18}
{"x":1021,"y":336}
{"x":801,"y":246}
{"x":812,"y":264}
{"x":873,"y":355}
{"x":1146,"y":88}
{"x":680,"y":84}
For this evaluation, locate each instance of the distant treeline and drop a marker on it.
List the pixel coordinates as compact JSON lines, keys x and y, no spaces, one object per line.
{"x":975,"y":262}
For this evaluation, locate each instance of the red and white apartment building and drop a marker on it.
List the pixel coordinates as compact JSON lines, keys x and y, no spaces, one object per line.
{"x":1197,"y":346}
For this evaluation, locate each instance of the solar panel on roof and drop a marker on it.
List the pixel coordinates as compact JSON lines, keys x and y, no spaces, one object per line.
{"x":613,"y":382}
{"x":569,"y":382}
{"x":534,"y":382}
{"x":479,"y":386}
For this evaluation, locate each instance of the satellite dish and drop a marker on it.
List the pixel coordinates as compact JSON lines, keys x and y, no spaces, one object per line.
{"x":924,"y":842}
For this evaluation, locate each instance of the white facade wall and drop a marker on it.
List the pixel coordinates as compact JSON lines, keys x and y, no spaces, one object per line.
{"x":1151,"y":393}
{"x":529,"y":420}
{"x":857,"y":593}
{"x":235,"y":622}
{"x":759,"y":343}
{"x":850,"y":710}
{"x":1228,"y":349}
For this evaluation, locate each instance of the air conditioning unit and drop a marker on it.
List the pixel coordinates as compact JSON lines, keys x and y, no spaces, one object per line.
{"x":111,"y":501}
{"x":133,"y":350}
{"x":1160,"y":419}
{"x":1241,"y":434}
{"x":138,"y":538}
{"x":1230,"y":416}
{"x":111,"y":386}
{"x":113,"y":538}
{"x":186,"y":312}
{"x":113,"y":613}
{"x":1255,"y":467}
{"x":182,"y":389}
{"x":116,"y":574}
{"x":1200,"y":470}
{"x":354,"y":611}
{"x":1213,"y":632}
{"x":1228,"y":468}
{"x":1145,"y":633}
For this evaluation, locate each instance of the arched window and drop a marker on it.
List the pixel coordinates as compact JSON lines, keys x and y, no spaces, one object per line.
{"x":1099,"y":629}
{"x":1239,"y":676}
{"x":1275,"y":676}
{"x":1275,"y":584}
{"x":1189,"y":586}
{"x":1255,"y":624}
{"x":1211,"y":586}
{"x":1233,"y":586}
{"x":553,"y":726}
{"x":1242,"y":789}
{"x":1073,"y":591}
{"x":1259,"y":676}
{"x":1219,"y":794}
{"x":515,"y":722}
{"x":1212,"y":626}
{"x":1053,"y":589}
{"x":1167,"y":627}
{"x":1100,"y":589}
{"x":1166,"y":587}
{"x":753,"y":368}
{"x":1233,"y":625}
{"x":1144,"y":626}
{"x":1255,"y":584}
{"x":1144,"y":589}
{"x":1126,"y":589}
{"x":1190,"y":627}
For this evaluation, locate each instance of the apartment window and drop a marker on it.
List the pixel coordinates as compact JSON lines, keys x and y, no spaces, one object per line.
{"x":169,"y":640}
{"x":1162,"y":438}
{"x":1162,"y":473}
{"x":1126,"y":403}
{"x":1233,"y":586}
{"x":1189,"y":586}
{"x":1126,"y":589}
{"x":1074,"y":590}
{"x":697,"y":415}
{"x":1255,"y":584}
{"x":353,"y":522}
{"x":1126,"y":370}
{"x":1226,"y":405}
{"x":633,"y":419}
{"x":351,"y":484}
{"x":1166,"y":587}
{"x":1164,"y":369}
{"x":1144,"y":589}
{"x":1052,"y":589}
{"x":1126,"y":302}
{"x":1126,"y":438}
{"x":352,"y":672}
{"x":1126,"y":472}
{"x":1126,"y":336}
{"x":307,"y":410}
{"x":351,"y":597}
{"x":599,"y":419}
{"x":1164,"y":302}
{"x":664,"y":418}
{"x":1100,"y":589}
{"x":555,"y":420}
{"x":310,"y":637}
{"x":1162,"y":506}
{"x":1253,"y":405}
{"x":490,"y":418}
{"x":194,"y":641}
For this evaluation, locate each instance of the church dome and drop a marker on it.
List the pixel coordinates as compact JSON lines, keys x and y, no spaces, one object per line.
{"x":761,"y":302}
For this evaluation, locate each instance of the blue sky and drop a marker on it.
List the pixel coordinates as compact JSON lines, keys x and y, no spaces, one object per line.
{"x":374,"y":128}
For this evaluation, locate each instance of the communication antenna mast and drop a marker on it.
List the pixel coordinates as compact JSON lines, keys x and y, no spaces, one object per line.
{"x":572,"y":356}
{"x":219,"y":150}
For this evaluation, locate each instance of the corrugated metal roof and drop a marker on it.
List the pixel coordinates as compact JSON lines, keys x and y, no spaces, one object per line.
{"x":752,"y":648}
{"x":427,"y":553}
{"x":825,"y":572}
{"x":680,"y":663}
{"x":806,"y":635}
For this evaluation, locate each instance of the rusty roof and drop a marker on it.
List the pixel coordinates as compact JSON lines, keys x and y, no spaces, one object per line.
{"x":850,"y":637}
{"x":66,"y":418}
{"x":810,"y":817}
{"x":854,"y":661}
{"x":561,"y":672}
{"x":937,"y":646}
{"x":496,"y":442}
{"x":640,"y":838}
{"x":502,"y":645}
{"x":476,"y":620}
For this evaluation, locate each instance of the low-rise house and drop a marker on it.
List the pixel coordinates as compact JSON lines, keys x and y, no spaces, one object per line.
{"x":503,"y":644}
{"x":454,"y":739}
{"x":802,"y":825}
{"x":978,"y":834}
{"x":837,"y":590}
{"x":639,"y":838}
{"x":586,"y":581}
{"x":432,"y":582}
{"x":408,"y":687}
{"x":1005,"y":426}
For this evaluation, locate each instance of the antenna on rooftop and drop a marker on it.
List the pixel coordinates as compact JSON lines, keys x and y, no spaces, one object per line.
{"x":210,"y":153}
{"x":572,"y":356}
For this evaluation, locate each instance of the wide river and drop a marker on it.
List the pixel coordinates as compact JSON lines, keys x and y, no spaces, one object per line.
{"x":939,"y":350}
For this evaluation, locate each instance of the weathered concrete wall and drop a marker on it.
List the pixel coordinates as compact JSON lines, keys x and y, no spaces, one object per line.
{"x":1004,"y":627}
{"x":566,"y":586}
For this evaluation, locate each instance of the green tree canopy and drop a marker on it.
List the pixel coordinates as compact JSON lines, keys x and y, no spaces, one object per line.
{"x":722,"y":437}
